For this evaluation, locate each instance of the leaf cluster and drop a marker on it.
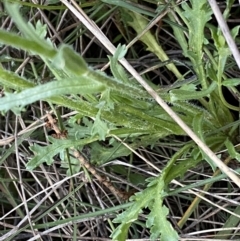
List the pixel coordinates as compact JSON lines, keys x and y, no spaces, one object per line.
{"x":118,"y":105}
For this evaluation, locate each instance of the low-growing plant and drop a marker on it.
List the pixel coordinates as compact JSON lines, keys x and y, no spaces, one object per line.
{"x":118,"y":106}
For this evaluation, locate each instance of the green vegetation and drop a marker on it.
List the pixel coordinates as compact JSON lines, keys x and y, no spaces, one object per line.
{"x":47,"y":67}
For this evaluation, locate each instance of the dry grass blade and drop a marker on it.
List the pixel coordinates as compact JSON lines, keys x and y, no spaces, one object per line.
{"x":35,"y":125}
{"x":225,"y":30}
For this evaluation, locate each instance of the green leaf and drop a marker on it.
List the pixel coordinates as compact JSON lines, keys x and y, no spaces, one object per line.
{"x":107,"y":97}
{"x":13,"y":81}
{"x":227,"y":10}
{"x":235,"y":31}
{"x":100,"y":127}
{"x":179,"y":169}
{"x":43,"y":49}
{"x":117,"y":69}
{"x":77,"y":131}
{"x":115,"y":85}
{"x":121,"y":232}
{"x":233,"y":153}
{"x":151,"y":197}
{"x":131,"y":214}
{"x":157,"y":219}
{"x":26,"y":29}
{"x":189,"y":87}
{"x":46,"y":154}
{"x":41,"y":29}
{"x":79,"y":85}
{"x":198,"y":129}
{"x":176,"y":95}
{"x":32,"y":42}
{"x":222,"y":48}
{"x":197,"y":15}
{"x":101,"y":154}
{"x":197,"y":126}
{"x":124,"y":99}
{"x":71,"y":62}
{"x":190,"y":110}
{"x":139,"y":24}
{"x":159,"y":224}
{"x":69,"y":160}
{"x":231,"y":82}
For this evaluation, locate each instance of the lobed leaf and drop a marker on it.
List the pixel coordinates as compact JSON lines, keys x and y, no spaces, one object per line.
{"x":131,"y":214}
{"x":46,"y":154}
{"x":100,"y":128}
{"x":197,"y":24}
{"x":117,"y":70}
